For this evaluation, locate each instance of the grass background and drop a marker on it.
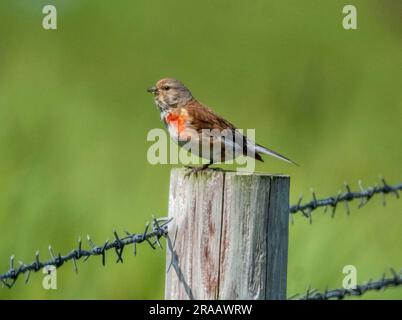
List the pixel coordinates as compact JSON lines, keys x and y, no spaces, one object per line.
{"x":74,"y":116}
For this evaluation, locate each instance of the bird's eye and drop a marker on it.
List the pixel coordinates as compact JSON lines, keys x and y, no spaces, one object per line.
{"x":166,"y":88}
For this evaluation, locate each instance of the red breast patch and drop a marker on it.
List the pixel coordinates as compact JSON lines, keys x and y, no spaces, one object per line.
{"x":177,"y":121}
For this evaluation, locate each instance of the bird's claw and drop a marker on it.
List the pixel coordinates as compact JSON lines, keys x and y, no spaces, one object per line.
{"x":194,"y":170}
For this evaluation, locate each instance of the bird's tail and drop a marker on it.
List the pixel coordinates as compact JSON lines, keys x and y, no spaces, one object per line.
{"x":261,"y":149}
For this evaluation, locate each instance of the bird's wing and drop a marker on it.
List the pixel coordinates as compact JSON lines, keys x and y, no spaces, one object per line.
{"x":202,"y":117}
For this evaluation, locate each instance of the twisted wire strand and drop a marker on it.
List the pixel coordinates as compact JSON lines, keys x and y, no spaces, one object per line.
{"x":365,"y":195}
{"x":152,"y":237}
{"x":385,"y":282}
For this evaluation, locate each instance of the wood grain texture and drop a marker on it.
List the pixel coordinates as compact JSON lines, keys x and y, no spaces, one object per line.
{"x":277,"y":238}
{"x":195,"y":203}
{"x":229,"y":236}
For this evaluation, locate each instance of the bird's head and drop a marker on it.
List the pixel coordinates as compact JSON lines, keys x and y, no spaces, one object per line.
{"x":170,"y":93}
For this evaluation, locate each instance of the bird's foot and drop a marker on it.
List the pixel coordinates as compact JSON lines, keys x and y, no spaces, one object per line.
{"x":196,"y":170}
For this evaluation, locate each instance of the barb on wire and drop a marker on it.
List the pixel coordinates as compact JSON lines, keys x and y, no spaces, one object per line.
{"x":159,"y":229}
{"x":364,"y":194}
{"x":385,"y":282}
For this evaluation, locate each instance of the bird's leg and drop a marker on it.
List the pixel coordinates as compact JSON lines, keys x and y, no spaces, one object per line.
{"x":195,"y":170}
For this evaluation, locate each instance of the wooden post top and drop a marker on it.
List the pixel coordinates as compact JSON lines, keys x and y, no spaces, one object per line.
{"x":229,"y":235}
{"x":208,"y":171}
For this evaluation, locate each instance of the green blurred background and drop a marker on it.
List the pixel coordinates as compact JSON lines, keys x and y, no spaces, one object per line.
{"x":74,"y":117}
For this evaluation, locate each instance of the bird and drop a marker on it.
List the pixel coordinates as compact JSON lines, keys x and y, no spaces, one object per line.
{"x":190,"y":123}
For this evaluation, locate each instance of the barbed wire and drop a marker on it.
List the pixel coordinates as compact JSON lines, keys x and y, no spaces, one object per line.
{"x":365,"y":194}
{"x":159,"y":229}
{"x":385,"y":282}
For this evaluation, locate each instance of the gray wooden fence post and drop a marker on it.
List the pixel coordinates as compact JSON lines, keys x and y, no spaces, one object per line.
{"x":229,"y":236}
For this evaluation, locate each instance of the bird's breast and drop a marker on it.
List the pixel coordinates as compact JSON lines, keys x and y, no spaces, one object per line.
{"x":176,"y":124}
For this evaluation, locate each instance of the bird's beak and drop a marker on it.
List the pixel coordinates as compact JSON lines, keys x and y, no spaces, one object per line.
{"x":152,"y":89}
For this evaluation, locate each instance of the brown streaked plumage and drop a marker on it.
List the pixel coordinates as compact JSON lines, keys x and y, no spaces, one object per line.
{"x":186,"y":118}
